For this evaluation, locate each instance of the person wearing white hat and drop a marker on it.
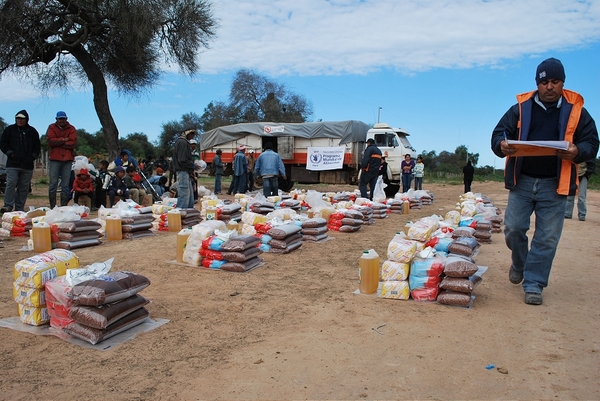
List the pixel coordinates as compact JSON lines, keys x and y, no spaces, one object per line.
{"x":194,"y":146}
{"x":20,"y":142}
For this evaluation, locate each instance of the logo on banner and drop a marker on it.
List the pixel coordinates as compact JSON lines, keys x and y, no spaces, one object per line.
{"x":325,"y":158}
{"x":275,"y":128}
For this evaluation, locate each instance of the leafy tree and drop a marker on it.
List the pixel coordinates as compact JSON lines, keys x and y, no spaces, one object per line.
{"x":254,"y":97}
{"x":86,"y":145}
{"x":462,"y":152}
{"x":430,"y":160}
{"x":122,"y":42}
{"x":172,"y":129}
{"x":3,"y":125}
{"x":259,"y":99}
{"x":139,"y":145}
{"x":217,"y":114}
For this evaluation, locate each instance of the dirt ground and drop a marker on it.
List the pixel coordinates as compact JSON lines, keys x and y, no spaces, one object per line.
{"x":293,"y":329}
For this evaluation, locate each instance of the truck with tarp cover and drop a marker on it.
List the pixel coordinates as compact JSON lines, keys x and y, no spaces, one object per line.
{"x":316,"y":152}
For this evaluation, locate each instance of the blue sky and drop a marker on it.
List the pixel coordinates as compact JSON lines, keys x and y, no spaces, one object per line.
{"x":445,"y":71}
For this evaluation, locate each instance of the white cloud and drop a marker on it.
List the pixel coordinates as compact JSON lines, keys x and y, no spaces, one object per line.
{"x":14,"y":90}
{"x":317,"y":37}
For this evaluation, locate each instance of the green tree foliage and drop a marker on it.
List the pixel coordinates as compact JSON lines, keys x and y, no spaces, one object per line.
{"x":172,"y":129}
{"x":138,"y":145}
{"x":218,"y":114}
{"x":253,"y":98}
{"x":88,"y":145}
{"x":123,"y":42}
{"x":449,"y":162}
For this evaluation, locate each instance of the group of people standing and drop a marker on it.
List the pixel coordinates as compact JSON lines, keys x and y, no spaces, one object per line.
{"x":20,"y":142}
{"x":373,"y":165}
{"x":410,"y":170}
{"x":269,"y":166}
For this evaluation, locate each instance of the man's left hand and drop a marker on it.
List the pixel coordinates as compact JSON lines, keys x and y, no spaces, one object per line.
{"x":569,"y":154}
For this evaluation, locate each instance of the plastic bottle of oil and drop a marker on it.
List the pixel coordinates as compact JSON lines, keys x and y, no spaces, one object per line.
{"x":42,"y":239}
{"x":368,"y":272}
{"x":174,"y":220}
{"x":405,"y":207}
{"x":114,"y":230}
{"x":211,"y":213}
{"x":233,"y":225}
{"x":182,"y":238}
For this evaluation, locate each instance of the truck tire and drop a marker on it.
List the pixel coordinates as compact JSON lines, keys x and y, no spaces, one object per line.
{"x":353,"y":176}
{"x":286,"y":185}
{"x":392,"y":189}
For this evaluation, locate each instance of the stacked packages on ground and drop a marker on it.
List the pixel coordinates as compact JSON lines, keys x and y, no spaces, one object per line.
{"x":89,"y":303}
{"x":31,"y":275}
{"x":434,"y":258}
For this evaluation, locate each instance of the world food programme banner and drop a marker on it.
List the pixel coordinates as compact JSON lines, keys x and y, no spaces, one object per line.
{"x":319,"y":159}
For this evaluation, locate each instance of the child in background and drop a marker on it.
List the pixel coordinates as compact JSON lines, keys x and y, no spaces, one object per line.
{"x":117,"y":186}
{"x":102,"y":183}
{"x":83,"y":185}
{"x":419,"y":172}
{"x":133,"y":180}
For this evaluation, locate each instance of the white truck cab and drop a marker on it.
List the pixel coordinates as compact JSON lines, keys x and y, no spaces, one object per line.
{"x":394,"y":145}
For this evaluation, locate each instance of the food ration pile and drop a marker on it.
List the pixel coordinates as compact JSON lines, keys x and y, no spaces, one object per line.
{"x":433,"y":259}
{"x":90,"y":303}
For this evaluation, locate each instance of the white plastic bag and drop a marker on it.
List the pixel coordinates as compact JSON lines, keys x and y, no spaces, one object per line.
{"x":91,"y":272}
{"x":379,"y":193}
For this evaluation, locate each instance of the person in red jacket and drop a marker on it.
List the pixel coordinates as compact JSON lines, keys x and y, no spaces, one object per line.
{"x":83,"y":185}
{"x":62,"y":141}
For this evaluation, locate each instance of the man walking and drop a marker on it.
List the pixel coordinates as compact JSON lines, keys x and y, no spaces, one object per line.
{"x":183,"y":165}
{"x":218,"y":165}
{"x":468,"y":174}
{"x":62,"y":141}
{"x":541,"y":184}
{"x":20,"y":142}
{"x":240,"y":172}
{"x":251,"y":162}
{"x":269,"y":166}
{"x":370,"y":169}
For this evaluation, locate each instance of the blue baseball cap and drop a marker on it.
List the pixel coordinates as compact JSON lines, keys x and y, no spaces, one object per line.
{"x":61,"y":114}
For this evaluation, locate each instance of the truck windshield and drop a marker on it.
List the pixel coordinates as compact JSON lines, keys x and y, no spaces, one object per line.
{"x":386,"y":140}
{"x":404,"y":142}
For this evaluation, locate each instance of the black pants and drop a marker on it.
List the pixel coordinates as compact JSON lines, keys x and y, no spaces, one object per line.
{"x":468,"y":182}
{"x":90,"y":195}
{"x":250,"y":181}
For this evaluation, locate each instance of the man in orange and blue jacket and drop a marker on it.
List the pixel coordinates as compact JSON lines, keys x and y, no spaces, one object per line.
{"x":541,"y":184}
